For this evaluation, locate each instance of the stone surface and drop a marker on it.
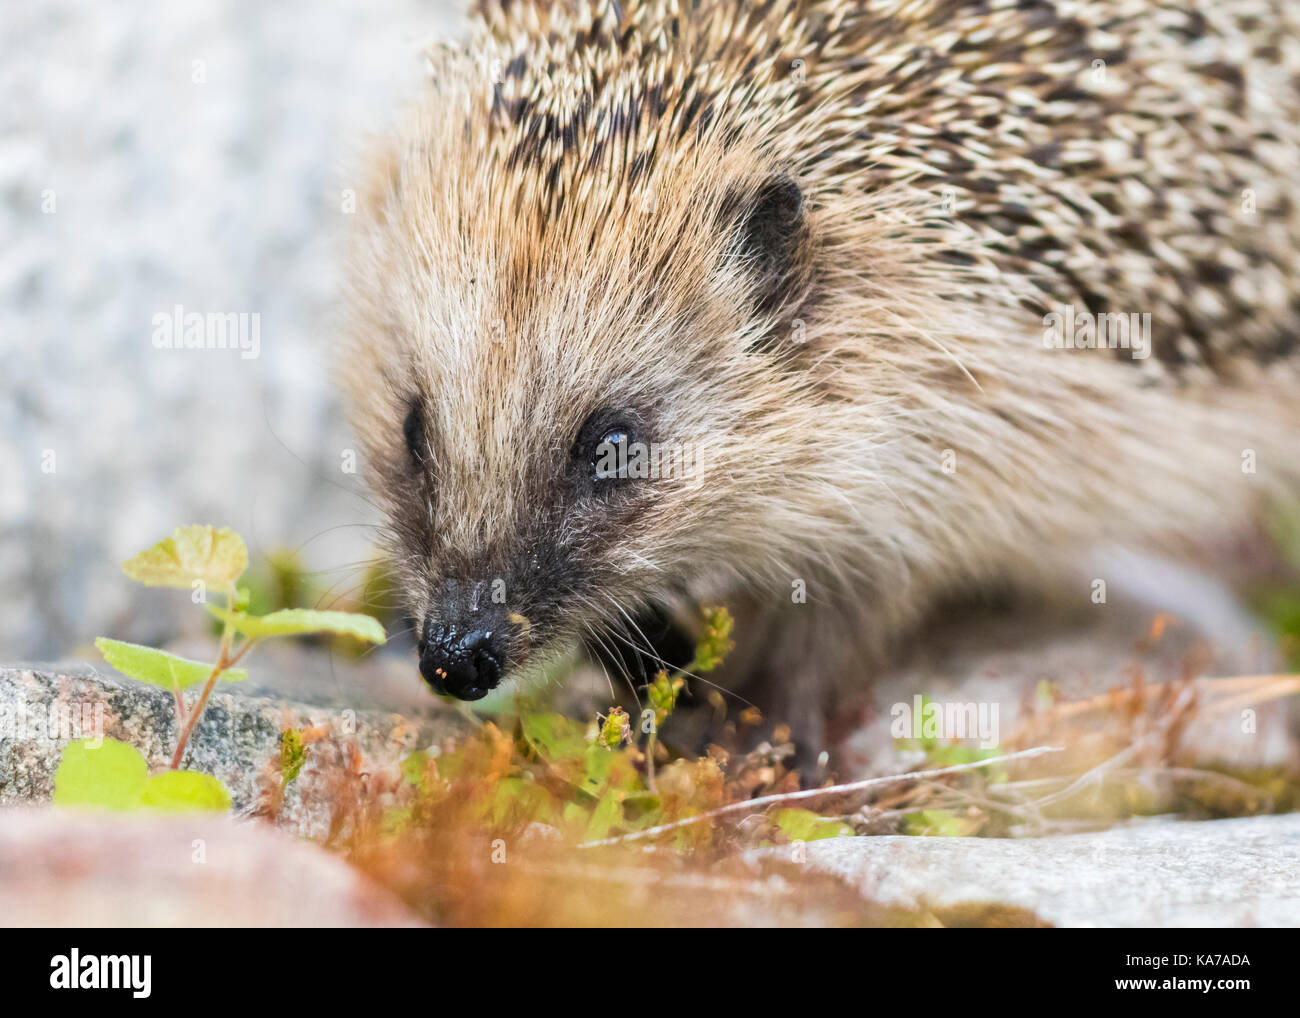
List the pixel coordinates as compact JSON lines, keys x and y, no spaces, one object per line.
{"x":1216,"y":873}
{"x":237,"y":739}
{"x":65,"y":868}
{"x":1155,"y":873}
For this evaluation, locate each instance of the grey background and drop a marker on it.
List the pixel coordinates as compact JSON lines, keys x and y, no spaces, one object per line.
{"x":221,"y":196}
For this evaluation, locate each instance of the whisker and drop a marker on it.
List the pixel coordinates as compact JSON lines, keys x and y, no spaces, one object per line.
{"x":649,"y":652}
{"x":608,"y":680}
{"x":266,"y":418}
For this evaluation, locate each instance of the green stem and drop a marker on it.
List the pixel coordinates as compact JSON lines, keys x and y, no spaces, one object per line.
{"x":650,"y":760}
{"x":224,"y":661}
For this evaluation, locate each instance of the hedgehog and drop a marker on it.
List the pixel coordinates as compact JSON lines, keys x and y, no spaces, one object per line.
{"x":829,"y":311}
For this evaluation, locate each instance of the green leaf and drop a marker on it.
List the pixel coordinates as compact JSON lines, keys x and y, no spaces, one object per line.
{"x":196,"y":552}
{"x":936,"y":822}
{"x":595,"y":775}
{"x":293,"y":754}
{"x":576,"y":819}
{"x":804,"y":825}
{"x":115,"y":776}
{"x":555,"y":738}
{"x":517,"y":801}
{"x":112,"y":775}
{"x":607,"y":815}
{"x":715,"y":642}
{"x":159,"y":668}
{"x":300,"y":621}
{"x":662,"y":694}
{"x":615,"y":730}
{"x":413,"y":767}
{"x":185,"y":792}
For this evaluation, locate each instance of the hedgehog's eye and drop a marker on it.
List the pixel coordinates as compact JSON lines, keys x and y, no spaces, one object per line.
{"x":609,"y":455}
{"x":604,"y":448}
{"x":413,"y":432}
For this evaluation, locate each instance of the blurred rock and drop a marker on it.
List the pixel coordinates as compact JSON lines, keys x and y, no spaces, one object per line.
{"x":194,"y":154}
{"x":237,"y":740}
{"x":996,"y":659}
{"x":1215,"y":873}
{"x":67,"y":868}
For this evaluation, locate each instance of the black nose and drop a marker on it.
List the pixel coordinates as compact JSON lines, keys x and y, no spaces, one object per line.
{"x":464,"y":665}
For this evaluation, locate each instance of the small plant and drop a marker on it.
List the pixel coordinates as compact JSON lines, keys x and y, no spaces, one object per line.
{"x":586,"y":783}
{"x":209,"y":563}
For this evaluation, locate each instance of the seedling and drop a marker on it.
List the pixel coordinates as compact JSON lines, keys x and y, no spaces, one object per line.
{"x":207,"y":562}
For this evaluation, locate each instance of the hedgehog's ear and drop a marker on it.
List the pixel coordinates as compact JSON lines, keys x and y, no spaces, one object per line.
{"x":771,"y":240}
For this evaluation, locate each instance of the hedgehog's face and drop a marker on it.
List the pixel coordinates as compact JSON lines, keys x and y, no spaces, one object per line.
{"x":521,"y":550}
{"x":574,"y":409}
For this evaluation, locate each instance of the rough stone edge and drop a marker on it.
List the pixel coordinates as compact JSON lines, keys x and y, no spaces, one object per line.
{"x":236,"y":740}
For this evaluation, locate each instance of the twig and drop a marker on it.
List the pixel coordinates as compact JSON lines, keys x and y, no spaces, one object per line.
{"x":816,"y":793}
{"x":650,"y":761}
{"x":1251,"y":687}
{"x":1022,"y":810}
{"x":1096,"y":773}
{"x":1284,"y":686}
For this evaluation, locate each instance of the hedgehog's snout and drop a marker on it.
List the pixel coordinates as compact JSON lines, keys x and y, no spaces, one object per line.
{"x":465,"y":641}
{"x":464,"y":664}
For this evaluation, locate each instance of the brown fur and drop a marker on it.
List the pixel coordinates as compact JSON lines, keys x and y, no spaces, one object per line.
{"x":555,"y":230}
